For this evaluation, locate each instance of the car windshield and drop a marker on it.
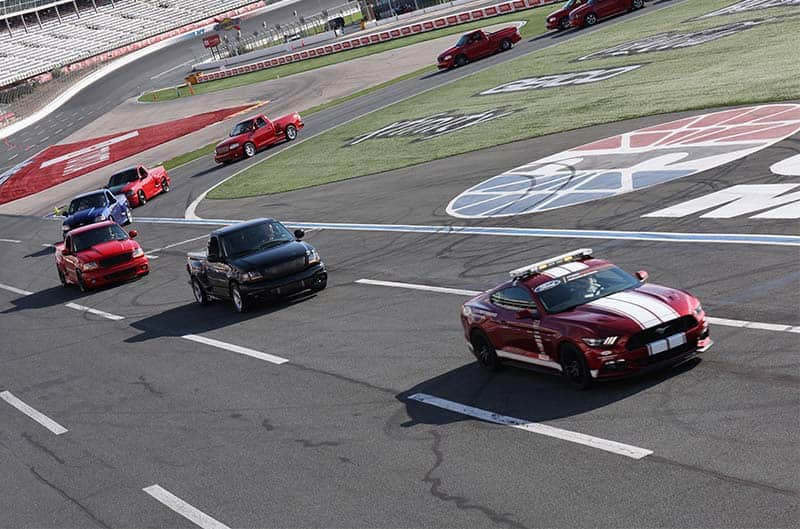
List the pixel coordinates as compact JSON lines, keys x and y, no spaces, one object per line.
{"x":582,"y":287}
{"x":241,"y":128}
{"x":123,"y":177}
{"x":95,"y":200}
{"x":87,"y":239}
{"x":464,"y":40}
{"x":570,"y":4}
{"x":254,"y":238}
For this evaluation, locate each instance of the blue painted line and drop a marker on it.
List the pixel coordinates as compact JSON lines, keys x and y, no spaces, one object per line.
{"x":654,"y":236}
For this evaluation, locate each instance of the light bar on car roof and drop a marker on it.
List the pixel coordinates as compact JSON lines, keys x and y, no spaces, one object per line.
{"x":541,"y":266}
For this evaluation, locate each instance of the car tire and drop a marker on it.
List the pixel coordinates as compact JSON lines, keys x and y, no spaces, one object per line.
{"x":564,"y":23}
{"x":164,"y":185}
{"x":199,"y":292}
{"x":574,"y":367}
{"x":461,"y":60}
{"x":638,"y":4}
{"x":291,"y":132}
{"x":319,"y":285}
{"x":506,"y":44}
{"x":484,"y":352}
{"x":249,"y":150}
{"x":62,"y":278}
{"x":240,"y":301}
{"x":81,"y":284}
{"x":590,"y":20}
{"x":142,"y":198}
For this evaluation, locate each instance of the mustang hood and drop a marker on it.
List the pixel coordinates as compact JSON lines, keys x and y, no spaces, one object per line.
{"x":271,"y":256}
{"x":84,"y":216}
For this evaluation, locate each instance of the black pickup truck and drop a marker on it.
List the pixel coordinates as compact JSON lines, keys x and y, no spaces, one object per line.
{"x":255,"y":259}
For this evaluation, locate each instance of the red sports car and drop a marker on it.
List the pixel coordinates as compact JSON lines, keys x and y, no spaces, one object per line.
{"x":256,"y":133}
{"x":586,"y":318}
{"x":99,"y":254}
{"x":139,"y":184}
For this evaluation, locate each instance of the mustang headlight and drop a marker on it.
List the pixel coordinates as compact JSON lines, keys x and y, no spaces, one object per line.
{"x":91,"y":265}
{"x":138,"y":252}
{"x":600,"y":342}
{"x":100,"y":218}
{"x":312,"y":257}
{"x":255,"y":275}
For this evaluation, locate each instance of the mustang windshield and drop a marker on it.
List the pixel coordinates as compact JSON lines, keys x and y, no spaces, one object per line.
{"x":254,"y":238}
{"x":87,"y":239}
{"x":241,"y":128}
{"x":95,"y":200}
{"x":123,"y":177}
{"x":583,"y":287}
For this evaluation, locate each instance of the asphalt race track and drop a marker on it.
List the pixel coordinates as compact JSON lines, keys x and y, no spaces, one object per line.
{"x":332,"y":438}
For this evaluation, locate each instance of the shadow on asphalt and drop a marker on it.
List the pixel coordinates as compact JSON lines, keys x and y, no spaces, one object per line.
{"x":195,"y":319}
{"x":45,"y":298}
{"x":434,"y":74}
{"x":46,"y":250}
{"x":216,"y":167}
{"x":522,"y":393}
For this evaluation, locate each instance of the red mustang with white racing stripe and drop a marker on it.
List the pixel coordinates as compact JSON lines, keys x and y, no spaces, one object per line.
{"x":586,"y":318}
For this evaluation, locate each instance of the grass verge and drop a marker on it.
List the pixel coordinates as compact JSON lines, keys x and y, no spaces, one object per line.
{"x":533,"y":17}
{"x":755,"y":65}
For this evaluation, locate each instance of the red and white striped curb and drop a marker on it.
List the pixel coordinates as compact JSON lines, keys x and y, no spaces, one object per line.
{"x":381,"y":36}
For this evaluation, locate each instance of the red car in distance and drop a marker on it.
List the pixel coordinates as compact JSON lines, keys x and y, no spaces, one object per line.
{"x":593,"y":10}
{"x":560,"y":19}
{"x":585,"y":318}
{"x":256,"y":133}
{"x":99,"y":254}
{"x":139,"y":184}
{"x":476,"y":45}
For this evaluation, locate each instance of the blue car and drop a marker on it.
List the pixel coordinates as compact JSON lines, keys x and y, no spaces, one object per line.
{"x":97,"y":206}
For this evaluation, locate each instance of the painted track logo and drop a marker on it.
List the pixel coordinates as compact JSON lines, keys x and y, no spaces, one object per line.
{"x":629,"y":162}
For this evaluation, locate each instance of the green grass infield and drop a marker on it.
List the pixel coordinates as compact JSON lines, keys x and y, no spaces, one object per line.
{"x":758,"y":64}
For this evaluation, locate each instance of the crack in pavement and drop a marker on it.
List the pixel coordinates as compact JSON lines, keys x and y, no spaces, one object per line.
{"x":43,"y":448}
{"x":66,"y":496}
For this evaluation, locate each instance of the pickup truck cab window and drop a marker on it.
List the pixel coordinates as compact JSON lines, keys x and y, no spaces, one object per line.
{"x":241,"y":128}
{"x":213,"y":247}
{"x":255,"y":237}
{"x":260,"y":123}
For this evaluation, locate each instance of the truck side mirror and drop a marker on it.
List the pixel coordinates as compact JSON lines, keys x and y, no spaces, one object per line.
{"x":299,"y":234}
{"x":133,"y":234}
{"x":642,"y":275}
{"x":66,"y":251}
{"x":212,"y":258}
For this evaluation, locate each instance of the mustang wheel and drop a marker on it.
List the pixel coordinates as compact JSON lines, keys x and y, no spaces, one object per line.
{"x":291,"y":132}
{"x":249,"y":150}
{"x":461,"y":60}
{"x":62,"y":278}
{"x":199,"y":292}
{"x":590,"y":19}
{"x":484,"y":352}
{"x":164,"y":185}
{"x":574,"y":366}
{"x":81,"y":284}
{"x":505,"y":45}
{"x":142,"y":198}
{"x":240,"y":301}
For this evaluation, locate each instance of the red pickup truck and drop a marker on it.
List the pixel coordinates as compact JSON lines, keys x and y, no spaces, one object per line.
{"x":139,"y":184}
{"x":477,"y":44}
{"x":256,"y":133}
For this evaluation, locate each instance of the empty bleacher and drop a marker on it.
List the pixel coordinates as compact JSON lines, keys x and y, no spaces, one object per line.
{"x":28,"y":49}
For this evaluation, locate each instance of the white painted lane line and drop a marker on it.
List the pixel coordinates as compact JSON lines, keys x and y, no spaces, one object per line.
{"x":192,"y":514}
{"x":236,"y":349}
{"x":10,"y":240}
{"x":412,"y":286}
{"x":90,"y":310}
{"x":725,"y":322}
{"x":753,"y":325}
{"x":622,"y":449}
{"x":16,"y":290}
{"x":173,"y":245}
{"x":37,"y":416}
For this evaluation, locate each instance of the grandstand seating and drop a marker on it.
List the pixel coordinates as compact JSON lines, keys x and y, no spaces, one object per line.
{"x":24,"y":54}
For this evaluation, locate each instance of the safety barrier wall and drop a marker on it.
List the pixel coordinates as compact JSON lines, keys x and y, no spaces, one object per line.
{"x":381,"y":36}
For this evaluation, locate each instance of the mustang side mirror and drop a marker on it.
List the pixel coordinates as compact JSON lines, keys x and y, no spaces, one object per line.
{"x":299,"y":234}
{"x":642,"y":275}
{"x":133,"y":234}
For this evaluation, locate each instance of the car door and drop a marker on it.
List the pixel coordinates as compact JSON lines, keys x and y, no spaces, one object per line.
{"x":265,"y":133}
{"x":217,"y":270}
{"x":147,"y":182}
{"x":605,"y":8}
{"x":70,"y":261}
{"x":516,"y":312}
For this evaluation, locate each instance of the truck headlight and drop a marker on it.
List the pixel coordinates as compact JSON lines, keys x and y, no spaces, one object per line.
{"x":312,"y":257}
{"x":91,"y":265}
{"x":100,"y":218}
{"x":232,"y":146}
{"x":447,"y":57}
{"x":600,"y":342}
{"x":65,"y":227}
{"x":138,"y":252}
{"x":255,"y":275}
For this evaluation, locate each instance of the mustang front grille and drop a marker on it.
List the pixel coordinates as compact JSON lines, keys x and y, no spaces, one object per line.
{"x":659,"y":332}
{"x":115,"y":260}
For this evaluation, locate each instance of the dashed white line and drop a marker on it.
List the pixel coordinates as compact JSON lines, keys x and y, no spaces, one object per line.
{"x":90,"y":310}
{"x":192,"y":514}
{"x":236,"y":349}
{"x":413,"y":286}
{"x":173,"y":245}
{"x":622,"y":449}
{"x":37,"y":416}
{"x":725,"y":322}
{"x":15,"y":290}
{"x":10,"y":240}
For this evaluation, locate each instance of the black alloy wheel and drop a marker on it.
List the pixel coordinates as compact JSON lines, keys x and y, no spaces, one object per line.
{"x":574,"y":366}
{"x":461,"y":60}
{"x":142,"y":198}
{"x":291,"y":132}
{"x":505,"y":45}
{"x":199,"y":292}
{"x":564,"y":23}
{"x":484,"y":352}
{"x":240,"y":301}
{"x":249,"y":150}
{"x":164,"y":185}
